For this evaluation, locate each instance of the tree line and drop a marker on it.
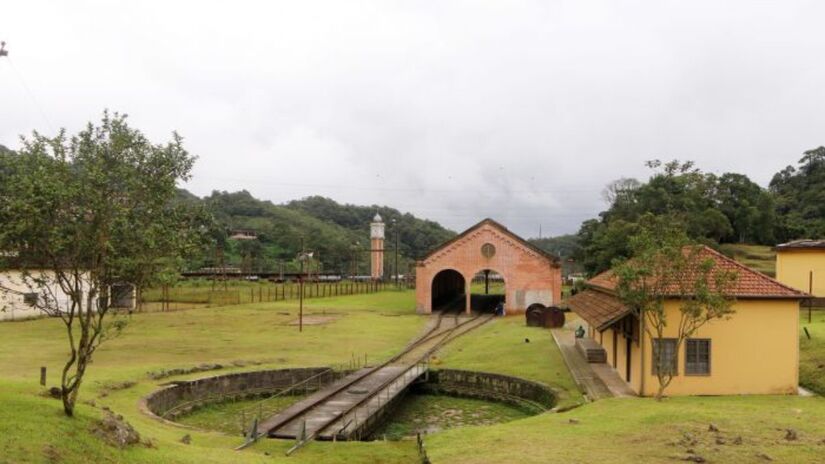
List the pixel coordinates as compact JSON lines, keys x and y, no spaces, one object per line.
{"x":711,"y":209}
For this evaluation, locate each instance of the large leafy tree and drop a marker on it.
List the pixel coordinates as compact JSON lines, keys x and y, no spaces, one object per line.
{"x":749,"y":208}
{"x":800,"y":197}
{"x":666,"y":265}
{"x":91,"y":212}
{"x":711,"y":209}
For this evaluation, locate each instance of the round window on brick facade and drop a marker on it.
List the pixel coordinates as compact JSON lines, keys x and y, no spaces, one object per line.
{"x":488,"y":250}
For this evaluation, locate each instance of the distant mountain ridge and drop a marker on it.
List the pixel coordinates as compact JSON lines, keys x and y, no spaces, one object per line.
{"x":338,"y":234}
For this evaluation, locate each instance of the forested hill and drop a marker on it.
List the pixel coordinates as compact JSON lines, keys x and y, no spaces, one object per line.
{"x":712,"y":209}
{"x":337,"y":234}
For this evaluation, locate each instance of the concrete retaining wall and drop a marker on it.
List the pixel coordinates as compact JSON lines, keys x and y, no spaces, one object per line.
{"x":184,"y":396}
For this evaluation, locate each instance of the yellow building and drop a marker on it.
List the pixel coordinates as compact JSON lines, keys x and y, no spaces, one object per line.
{"x":801,"y":264}
{"x":754,"y":351}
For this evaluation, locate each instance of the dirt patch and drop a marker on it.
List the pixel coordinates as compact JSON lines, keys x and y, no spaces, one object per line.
{"x":315,"y":320}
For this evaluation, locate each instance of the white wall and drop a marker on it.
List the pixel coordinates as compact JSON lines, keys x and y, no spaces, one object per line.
{"x":12,"y":288}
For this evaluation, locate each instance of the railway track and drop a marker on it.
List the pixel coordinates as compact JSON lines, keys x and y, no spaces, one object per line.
{"x":334,"y":412}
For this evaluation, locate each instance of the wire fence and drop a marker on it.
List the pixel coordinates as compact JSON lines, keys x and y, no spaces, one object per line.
{"x":202,"y":294}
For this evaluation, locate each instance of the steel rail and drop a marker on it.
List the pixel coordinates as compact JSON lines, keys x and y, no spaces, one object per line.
{"x":429,"y":335}
{"x":385,"y":384}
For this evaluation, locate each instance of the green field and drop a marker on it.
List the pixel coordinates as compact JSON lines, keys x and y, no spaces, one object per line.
{"x":257,"y":336}
{"x":759,"y":257}
{"x":812,"y":351}
{"x":635,"y":430}
{"x":493,"y":288}
{"x":501,"y":347}
{"x":33,"y":429}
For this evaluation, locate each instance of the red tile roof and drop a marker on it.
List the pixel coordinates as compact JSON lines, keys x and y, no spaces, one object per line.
{"x":749,"y":284}
{"x":598,"y":308}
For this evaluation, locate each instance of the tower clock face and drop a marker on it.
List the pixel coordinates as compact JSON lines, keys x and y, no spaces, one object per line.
{"x":488,"y":250}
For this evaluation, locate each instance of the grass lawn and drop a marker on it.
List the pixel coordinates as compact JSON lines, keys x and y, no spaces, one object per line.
{"x":33,"y":429}
{"x":812,"y":351}
{"x":258,"y":336}
{"x":500,"y":347}
{"x":640,"y":430}
{"x":493,"y":288}
{"x":759,"y":257}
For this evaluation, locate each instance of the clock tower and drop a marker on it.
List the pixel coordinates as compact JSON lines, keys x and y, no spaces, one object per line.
{"x":377,"y":248}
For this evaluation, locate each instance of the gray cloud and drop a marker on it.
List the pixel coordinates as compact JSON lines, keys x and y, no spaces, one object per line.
{"x":454,"y":111}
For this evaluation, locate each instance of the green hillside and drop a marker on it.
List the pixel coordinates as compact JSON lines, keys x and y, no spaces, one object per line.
{"x":759,"y":257}
{"x":337,"y":234}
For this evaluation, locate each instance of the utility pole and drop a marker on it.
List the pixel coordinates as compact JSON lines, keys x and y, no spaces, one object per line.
{"x":301,"y":257}
{"x":355,"y":248}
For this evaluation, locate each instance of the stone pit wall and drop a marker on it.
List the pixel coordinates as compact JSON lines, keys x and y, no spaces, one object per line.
{"x":526,"y":394}
{"x":183,"y":396}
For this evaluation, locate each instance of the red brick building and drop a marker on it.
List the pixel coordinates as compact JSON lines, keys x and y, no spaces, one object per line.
{"x":531,"y":276}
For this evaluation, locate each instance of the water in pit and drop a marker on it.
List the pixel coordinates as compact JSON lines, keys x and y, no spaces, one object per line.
{"x":227,"y":417}
{"x":417,"y":412}
{"x":422,"y":412}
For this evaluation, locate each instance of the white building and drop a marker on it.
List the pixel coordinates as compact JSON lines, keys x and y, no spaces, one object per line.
{"x":20,"y":297}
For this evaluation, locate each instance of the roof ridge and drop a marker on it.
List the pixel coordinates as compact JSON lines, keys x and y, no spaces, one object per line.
{"x":552,"y":258}
{"x":753,"y":271}
{"x":746,"y":277}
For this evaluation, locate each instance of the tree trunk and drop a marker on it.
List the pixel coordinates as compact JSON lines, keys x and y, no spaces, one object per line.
{"x":68,"y":402}
{"x":660,"y":392}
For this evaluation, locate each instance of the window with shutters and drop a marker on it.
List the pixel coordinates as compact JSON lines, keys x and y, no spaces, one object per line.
{"x":697,"y":356}
{"x":664,"y":356}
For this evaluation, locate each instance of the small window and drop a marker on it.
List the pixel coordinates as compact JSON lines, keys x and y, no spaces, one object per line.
{"x":30,"y":299}
{"x":664,"y":356}
{"x":697,"y":356}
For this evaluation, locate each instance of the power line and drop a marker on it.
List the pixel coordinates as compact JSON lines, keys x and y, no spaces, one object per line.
{"x":29,"y":93}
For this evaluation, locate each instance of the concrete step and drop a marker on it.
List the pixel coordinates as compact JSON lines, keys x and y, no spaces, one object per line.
{"x":592,"y":351}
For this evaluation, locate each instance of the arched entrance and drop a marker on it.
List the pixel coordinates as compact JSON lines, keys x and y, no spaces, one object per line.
{"x":487,"y":290}
{"x":448,"y":290}
{"x":532,"y":275}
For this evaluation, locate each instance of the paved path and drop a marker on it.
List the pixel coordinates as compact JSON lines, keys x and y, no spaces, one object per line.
{"x":597,"y":380}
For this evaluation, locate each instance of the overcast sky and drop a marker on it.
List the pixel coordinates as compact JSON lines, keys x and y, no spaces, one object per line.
{"x":453,"y":111}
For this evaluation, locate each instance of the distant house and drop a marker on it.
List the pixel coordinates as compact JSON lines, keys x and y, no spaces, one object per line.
{"x":243,"y":234}
{"x":801,"y":265}
{"x":20,"y":300}
{"x":755,"y":351}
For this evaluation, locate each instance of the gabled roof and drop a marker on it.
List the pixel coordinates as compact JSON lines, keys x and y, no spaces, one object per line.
{"x":598,"y":308}
{"x":552,"y":258}
{"x":749,"y":284}
{"x":803,"y":244}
